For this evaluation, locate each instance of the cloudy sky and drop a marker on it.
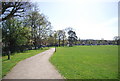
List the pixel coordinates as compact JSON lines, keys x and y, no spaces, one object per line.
{"x":91,"y":19}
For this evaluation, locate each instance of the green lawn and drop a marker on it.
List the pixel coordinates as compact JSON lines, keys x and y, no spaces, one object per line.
{"x":7,"y":65}
{"x":87,"y":62}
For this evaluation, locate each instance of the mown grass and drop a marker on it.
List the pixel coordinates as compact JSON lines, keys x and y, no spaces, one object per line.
{"x":7,"y":65}
{"x":87,"y":62}
{"x":0,"y":68}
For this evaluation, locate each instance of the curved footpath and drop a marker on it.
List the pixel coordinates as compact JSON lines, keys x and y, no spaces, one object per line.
{"x":35,"y":67}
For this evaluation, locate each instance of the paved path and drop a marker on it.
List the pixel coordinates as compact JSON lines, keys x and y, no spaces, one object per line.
{"x":35,"y":67}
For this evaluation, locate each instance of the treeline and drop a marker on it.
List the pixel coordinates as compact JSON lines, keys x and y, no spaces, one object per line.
{"x":97,"y":42}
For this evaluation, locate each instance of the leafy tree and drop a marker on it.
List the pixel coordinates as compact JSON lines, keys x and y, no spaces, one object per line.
{"x":40,"y":27}
{"x":59,"y":34}
{"x":61,"y":37}
{"x":117,"y":39}
{"x":33,"y":20}
{"x":68,"y":29}
{"x":72,"y":37}
{"x":51,"y":40}
{"x":14,"y":35}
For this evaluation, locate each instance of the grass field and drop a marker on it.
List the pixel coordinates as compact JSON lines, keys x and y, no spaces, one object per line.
{"x":87,"y":62}
{"x":7,"y":65}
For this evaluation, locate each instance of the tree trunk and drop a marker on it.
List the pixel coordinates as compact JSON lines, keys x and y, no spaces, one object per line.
{"x":59,"y":41}
{"x":63,"y":41}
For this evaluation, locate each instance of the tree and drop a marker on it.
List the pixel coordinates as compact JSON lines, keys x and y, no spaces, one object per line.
{"x":72,"y":37}
{"x":12,"y":9}
{"x":61,"y":36}
{"x":117,"y":39}
{"x":40,"y":27}
{"x":33,"y":21}
{"x":14,"y":35}
{"x":68,"y":29}
{"x":51,"y":40}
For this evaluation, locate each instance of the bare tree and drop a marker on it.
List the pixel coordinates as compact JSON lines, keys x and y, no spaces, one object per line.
{"x":12,"y":9}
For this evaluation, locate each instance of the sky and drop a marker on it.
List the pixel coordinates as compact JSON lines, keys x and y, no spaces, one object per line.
{"x":91,"y":19}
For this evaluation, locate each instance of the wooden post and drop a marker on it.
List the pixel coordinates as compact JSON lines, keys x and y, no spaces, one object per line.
{"x":55,"y":44}
{"x":55,"y":40}
{"x":55,"y":48}
{"x":9,"y":55}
